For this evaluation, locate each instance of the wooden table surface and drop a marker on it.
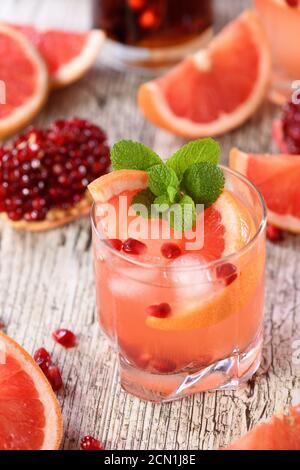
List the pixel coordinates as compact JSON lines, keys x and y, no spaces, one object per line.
{"x":46,"y":281}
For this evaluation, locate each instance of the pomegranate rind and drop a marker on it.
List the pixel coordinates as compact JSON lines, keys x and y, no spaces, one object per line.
{"x":282,"y":432}
{"x":278,"y":136}
{"x":53,"y":429}
{"x":20,"y":116}
{"x":155,"y":107}
{"x":55,"y":218}
{"x":275,"y":166}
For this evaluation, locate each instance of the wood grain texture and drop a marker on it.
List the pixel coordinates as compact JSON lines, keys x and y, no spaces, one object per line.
{"x":46,"y":281}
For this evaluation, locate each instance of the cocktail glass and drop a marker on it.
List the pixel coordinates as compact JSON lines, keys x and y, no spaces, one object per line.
{"x":214,"y":340}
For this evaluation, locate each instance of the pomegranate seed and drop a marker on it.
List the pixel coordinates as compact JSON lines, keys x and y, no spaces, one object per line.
{"x":115,"y":243}
{"x":43,"y":359}
{"x":54,"y":377}
{"x":292,"y":3}
{"x":170,"y":250}
{"x":160,"y":311}
{"x":45,"y":169}
{"x":163,"y":366}
{"x":227,"y":272}
{"x":134,"y":247}
{"x":291,"y":127}
{"x":274,"y":234}
{"x":143,"y":360}
{"x":2,"y":324}
{"x":90,"y":443}
{"x":64,"y":337}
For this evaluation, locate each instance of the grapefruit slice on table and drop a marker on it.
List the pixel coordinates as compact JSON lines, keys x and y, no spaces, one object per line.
{"x":282,"y":432}
{"x":68,"y":54}
{"x":216,"y":89}
{"x":24,"y":81}
{"x":277,"y":177}
{"x":30,"y":416}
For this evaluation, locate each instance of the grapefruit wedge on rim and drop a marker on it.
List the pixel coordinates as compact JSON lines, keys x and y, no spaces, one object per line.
{"x":68,"y":54}
{"x":216,"y":89}
{"x":277,"y":177}
{"x":225,"y":222}
{"x":282,"y":432}
{"x":30,"y":415}
{"x":24,"y":81}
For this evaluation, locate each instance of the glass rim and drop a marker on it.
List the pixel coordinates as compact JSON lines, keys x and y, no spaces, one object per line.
{"x":208,"y":264}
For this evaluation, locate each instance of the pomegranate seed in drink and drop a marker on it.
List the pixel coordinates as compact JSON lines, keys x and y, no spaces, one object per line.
{"x":227,"y":272}
{"x":54,"y":377}
{"x":170,"y":250}
{"x":90,"y":443}
{"x":292,"y":3}
{"x":274,"y":234}
{"x":65,"y":337}
{"x":163,"y":366}
{"x":115,"y":243}
{"x":162,"y":310}
{"x":134,"y":247}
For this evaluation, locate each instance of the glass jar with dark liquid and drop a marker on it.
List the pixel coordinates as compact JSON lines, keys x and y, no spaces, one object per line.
{"x":153,"y":33}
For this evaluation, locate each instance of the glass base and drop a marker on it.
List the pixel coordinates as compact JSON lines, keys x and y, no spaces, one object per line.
{"x":230,"y":373}
{"x":153,"y":60}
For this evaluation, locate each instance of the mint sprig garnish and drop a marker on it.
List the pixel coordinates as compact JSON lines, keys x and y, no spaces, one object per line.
{"x":191,"y":176}
{"x":204,"y":183}
{"x":161,"y":178}
{"x":131,"y":155}
{"x":203,"y":150}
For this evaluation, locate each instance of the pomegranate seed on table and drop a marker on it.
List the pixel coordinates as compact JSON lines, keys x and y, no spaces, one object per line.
{"x":274,"y":234}
{"x":51,"y":168}
{"x":43,"y":359}
{"x":227,"y":272}
{"x":162,"y":310}
{"x":2,"y":324}
{"x":170,"y":250}
{"x":65,"y":337}
{"x":54,"y":377}
{"x":90,"y":443}
{"x":134,"y":247}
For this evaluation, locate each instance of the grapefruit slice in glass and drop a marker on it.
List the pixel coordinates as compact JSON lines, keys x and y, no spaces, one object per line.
{"x":68,"y":54}
{"x":30,"y":415}
{"x":24,"y":81}
{"x":282,"y":432}
{"x":277,"y":177}
{"x":216,"y":89}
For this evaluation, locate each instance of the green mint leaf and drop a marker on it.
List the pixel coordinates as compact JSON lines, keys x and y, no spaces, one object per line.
{"x":143,"y":198}
{"x":202,"y":150}
{"x":131,"y":155}
{"x":160,"y":178}
{"x":204,"y":182}
{"x":162,"y":203}
{"x":173,"y":194}
{"x":182,"y":216}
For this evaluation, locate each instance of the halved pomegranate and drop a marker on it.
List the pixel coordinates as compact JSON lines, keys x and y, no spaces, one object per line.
{"x":44,"y":173}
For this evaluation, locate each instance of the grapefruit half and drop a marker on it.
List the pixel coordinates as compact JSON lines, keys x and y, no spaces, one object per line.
{"x":24,"y":81}
{"x":277,"y":177}
{"x":30,"y":416}
{"x":216,"y":89}
{"x":282,"y":432}
{"x":68,"y":54}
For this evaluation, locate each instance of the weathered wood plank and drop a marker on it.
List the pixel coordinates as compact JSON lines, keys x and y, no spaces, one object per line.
{"x":47,"y":281}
